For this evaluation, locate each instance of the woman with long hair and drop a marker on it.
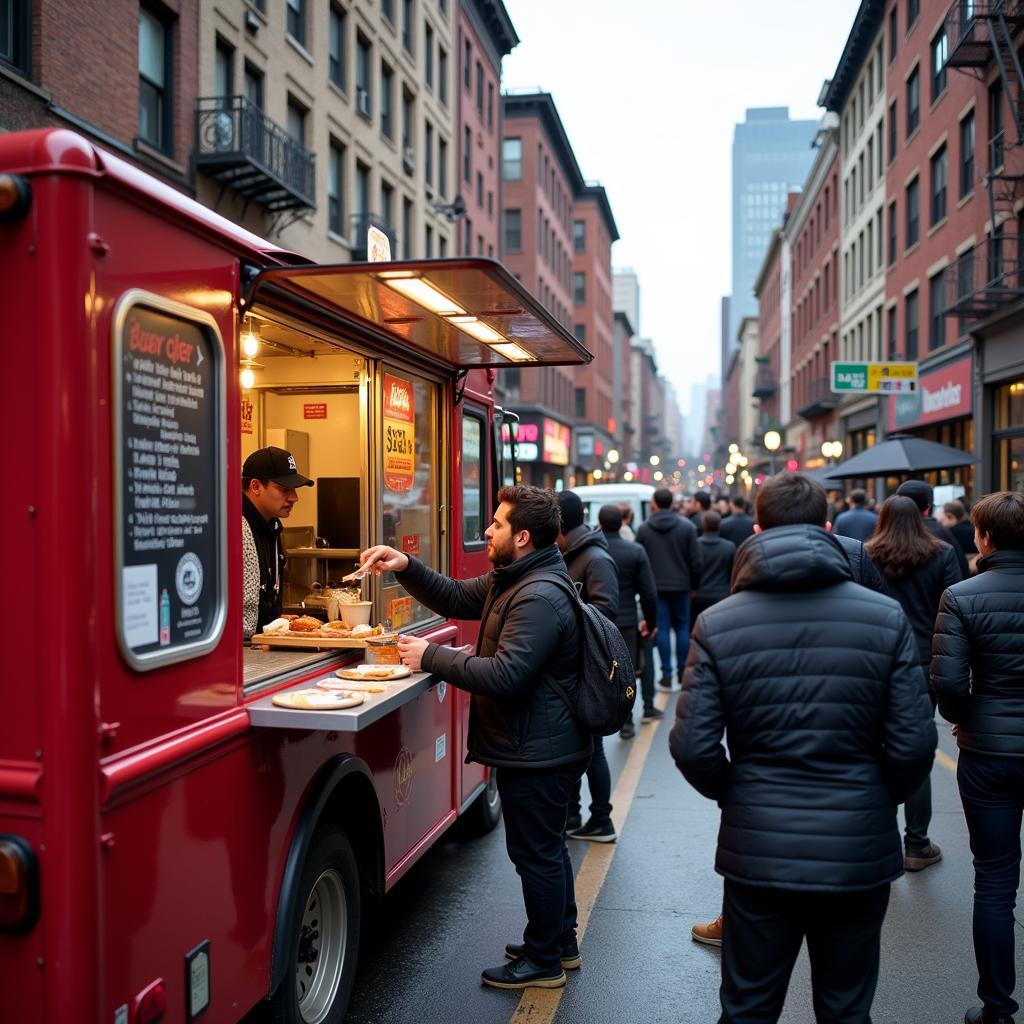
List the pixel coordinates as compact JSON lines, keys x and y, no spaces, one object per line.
{"x":917,"y":568}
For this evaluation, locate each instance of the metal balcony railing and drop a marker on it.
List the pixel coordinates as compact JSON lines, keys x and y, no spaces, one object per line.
{"x":239,"y":146}
{"x":985,"y":279}
{"x":765,"y":384}
{"x":968,"y":29}
{"x":820,"y":399}
{"x":361,"y":224}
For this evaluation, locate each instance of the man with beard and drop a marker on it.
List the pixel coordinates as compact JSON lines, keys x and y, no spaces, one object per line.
{"x":518,"y":724}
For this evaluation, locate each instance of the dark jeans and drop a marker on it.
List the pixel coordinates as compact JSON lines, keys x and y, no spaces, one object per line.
{"x":917,"y":810}
{"x":599,"y":778}
{"x":641,"y":651}
{"x":763,"y":930}
{"x":992,"y":791}
{"x":673,"y":616}
{"x":533,"y":804}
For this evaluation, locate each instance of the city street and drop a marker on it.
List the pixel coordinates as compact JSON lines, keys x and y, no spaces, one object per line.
{"x":452,"y":915}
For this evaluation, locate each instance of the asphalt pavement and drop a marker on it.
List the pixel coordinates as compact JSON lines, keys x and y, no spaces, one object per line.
{"x":453,"y":913}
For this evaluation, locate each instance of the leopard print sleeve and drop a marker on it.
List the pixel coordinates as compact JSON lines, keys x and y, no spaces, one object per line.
{"x":250,"y":582}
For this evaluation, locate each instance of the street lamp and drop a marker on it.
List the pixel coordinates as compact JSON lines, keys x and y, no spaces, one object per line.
{"x":613,"y":455}
{"x":773,"y":442}
{"x":655,"y":460}
{"x":832,"y":449}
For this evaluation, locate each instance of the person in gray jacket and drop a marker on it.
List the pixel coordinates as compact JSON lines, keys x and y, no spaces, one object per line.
{"x":717,"y":554}
{"x":529,"y":638}
{"x":594,"y":572}
{"x":670,"y":541}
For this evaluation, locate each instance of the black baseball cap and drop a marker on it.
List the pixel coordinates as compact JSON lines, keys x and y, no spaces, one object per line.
{"x":274,"y":464}
{"x":919,"y":492}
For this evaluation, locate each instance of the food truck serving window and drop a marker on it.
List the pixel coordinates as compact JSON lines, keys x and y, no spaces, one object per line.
{"x":169,"y":442}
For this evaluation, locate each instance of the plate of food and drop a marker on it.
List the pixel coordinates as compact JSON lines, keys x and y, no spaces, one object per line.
{"x":377,"y":673}
{"x":318,"y":700}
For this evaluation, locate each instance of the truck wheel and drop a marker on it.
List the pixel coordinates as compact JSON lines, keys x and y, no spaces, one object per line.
{"x":324,"y":950}
{"x":485,"y":811}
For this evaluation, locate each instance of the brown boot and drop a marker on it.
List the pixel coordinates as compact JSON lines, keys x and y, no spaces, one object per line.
{"x":710,"y":934}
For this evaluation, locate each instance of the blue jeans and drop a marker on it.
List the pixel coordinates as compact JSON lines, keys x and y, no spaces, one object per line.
{"x":992,"y":791}
{"x":673,"y":616}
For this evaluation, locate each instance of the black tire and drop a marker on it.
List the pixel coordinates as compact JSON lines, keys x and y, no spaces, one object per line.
{"x":484,"y":813}
{"x":323,"y":952}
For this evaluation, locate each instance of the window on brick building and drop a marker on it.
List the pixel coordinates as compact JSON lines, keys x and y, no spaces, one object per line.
{"x":892,"y":233}
{"x":913,"y":12}
{"x":155,"y":81}
{"x":480,"y":90}
{"x":253,"y":83}
{"x":579,"y":288}
{"x":467,"y":154}
{"x":913,"y":101}
{"x":579,"y":236}
{"x":513,"y":241}
{"x":428,"y":56}
{"x":939,"y":174}
{"x":387,"y":120}
{"x":913,"y":218}
{"x":910,"y":313}
{"x":442,"y":74}
{"x":336,"y":188}
{"x":428,"y":153}
{"x":387,"y":8}
{"x":892,"y":332}
{"x":580,"y":333}
{"x":296,"y":20}
{"x":940,"y":55}
{"x":442,"y":168}
{"x":363,"y":96}
{"x":336,"y":70}
{"x":512,"y":159}
{"x":996,"y":132}
{"x":967,"y":155}
{"x":406,"y":229}
{"x":892,"y":131}
{"x":936,"y":307}
{"x":16,"y":35}
{"x":893,"y":33}
{"x":295,"y":120}
{"x":407,"y":20}
{"x":467,"y":65}
{"x":581,"y":403}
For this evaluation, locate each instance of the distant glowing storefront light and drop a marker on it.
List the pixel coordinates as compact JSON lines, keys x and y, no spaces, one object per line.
{"x":613,"y":455}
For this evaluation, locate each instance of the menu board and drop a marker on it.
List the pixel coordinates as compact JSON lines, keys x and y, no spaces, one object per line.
{"x":169,"y":457}
{"x":399,"y":434}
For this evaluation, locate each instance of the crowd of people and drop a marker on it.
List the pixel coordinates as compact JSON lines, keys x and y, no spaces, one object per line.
{"x":812,"y":645}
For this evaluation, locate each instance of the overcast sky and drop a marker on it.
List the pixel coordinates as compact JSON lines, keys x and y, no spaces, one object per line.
{"x":649,"y":92}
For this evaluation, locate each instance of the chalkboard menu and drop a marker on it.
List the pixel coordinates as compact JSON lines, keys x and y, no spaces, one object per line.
{"x":169,"y":454}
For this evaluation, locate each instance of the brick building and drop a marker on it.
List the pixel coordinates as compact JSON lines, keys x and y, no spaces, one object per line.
{"x":123,"y":74}
{"x":485,"y":36}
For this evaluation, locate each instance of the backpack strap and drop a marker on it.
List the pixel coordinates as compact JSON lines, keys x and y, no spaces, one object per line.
{"x":567,"y":587}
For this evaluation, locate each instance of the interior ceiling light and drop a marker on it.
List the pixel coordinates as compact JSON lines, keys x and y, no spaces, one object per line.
{"x":423,"y":294}
{"x":248,"y":378}
{"x":250,"y":345}
{"x":510,"y":350}
{"x":476,"y":328}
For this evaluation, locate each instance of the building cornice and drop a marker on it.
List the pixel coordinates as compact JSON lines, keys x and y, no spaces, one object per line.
{"x":541,"y":106}
{"x":493,"y":25}
{"x":600,"y":196}
{"x":827,"y":152}
{"x":858,"y":45}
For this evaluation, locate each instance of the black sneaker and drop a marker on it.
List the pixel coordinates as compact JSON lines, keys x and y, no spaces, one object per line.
{"x":664,"y":684}
{"x":523,"y":973}
{"x":573,"y":822}
{"x":983,"y":1015}
{"x":652,"y":715}
{"x":918,"y":860}
{"x":571,"y":959}
{"x":628,"y":731}
{"x":595,"y":832}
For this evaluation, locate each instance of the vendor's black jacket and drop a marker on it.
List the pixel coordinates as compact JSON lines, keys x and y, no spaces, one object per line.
{"x":267,"y":536}
{"x":590,"y":564}
{"x":815,"y":683}
{"x":717,"y":555}
{"x":670,"y":541}
{"x":516,"y":719}
{"x":635,"y":580}
{"x":977,"y":670}
{"x":919,"y":592}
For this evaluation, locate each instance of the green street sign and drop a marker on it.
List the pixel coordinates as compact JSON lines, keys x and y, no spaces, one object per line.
{"x":874,"y":378}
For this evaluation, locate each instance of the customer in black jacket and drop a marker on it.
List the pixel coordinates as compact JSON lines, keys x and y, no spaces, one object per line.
{"x":594,"y":572}
{"x":670,"y":541}
{"x":717,"y":556}
{"x":635,"y":581}
{"x":738,"y":526}
{"x":977,"y":674}
{"x":815,"y":684}
{"x":529,"y":638}
{"x":922,"y":495}
{"x":917,"y":568}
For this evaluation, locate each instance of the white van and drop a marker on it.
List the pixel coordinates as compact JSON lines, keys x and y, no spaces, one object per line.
{"x":637,"y":496}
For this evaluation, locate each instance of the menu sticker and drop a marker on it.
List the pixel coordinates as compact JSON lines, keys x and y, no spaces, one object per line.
{"x":399,"y":434}
{"x":169,"y":455}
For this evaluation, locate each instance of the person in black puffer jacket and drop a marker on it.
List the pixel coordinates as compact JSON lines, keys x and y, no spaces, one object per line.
{"x":917,"y":568}
{"x":717,"y":555}
{"x":815,"y":683}
{"x":593,"y":569}
{"x":977,"y":676}
{"x":529,"y":638}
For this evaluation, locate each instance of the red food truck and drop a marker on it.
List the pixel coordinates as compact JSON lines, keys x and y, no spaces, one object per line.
{"x":173,"y":845}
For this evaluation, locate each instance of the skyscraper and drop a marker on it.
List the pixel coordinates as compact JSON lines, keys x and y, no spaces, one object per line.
{"x":770,"y":155}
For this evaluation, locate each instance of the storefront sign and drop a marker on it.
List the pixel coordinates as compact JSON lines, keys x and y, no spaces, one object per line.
{"x":378,"y":245}
{"x":873,"y":378}
{"x":527,"y":442}
{"x":411,"y":543}
{"x":169,"y":437}
{"x":400,"y":611}
{"x":246,"y":415}
{"x":584,"y":445}
{"x":399,"y":434}
{"x":314,"y":411}
{"x":557,"y":439}
{"x":942,"y":394}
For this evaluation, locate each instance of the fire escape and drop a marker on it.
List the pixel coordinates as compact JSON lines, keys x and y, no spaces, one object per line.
{"x":989,"y":276}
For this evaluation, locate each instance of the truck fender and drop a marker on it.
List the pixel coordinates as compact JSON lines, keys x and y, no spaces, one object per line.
{"x":327,"y":783}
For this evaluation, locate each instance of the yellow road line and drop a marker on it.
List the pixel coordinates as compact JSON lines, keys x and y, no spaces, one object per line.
{"x":539,"y":1005}
{"x":946,"y":761}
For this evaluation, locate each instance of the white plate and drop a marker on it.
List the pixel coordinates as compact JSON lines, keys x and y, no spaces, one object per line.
{"x":364,"y":670}
{"x":317,"y":700}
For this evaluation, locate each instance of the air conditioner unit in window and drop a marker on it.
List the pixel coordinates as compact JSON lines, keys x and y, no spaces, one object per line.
{"x":363,"y":102}
{"x":409,"y":159}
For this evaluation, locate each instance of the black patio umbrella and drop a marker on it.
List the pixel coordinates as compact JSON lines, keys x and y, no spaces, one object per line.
{"x":901,"y":453}
{"x":824,"y":477}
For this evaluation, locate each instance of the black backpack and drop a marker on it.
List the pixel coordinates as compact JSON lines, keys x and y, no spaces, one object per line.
{"x":607,"y":681}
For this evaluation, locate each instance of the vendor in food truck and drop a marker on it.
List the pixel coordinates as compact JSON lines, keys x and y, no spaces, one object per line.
{"x":270,"y":485}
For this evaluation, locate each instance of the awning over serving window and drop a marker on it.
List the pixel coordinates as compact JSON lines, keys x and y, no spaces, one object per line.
{"x":462,"y":312}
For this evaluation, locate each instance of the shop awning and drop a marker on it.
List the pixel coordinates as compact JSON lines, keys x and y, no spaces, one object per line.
{"x":462,"y":312}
